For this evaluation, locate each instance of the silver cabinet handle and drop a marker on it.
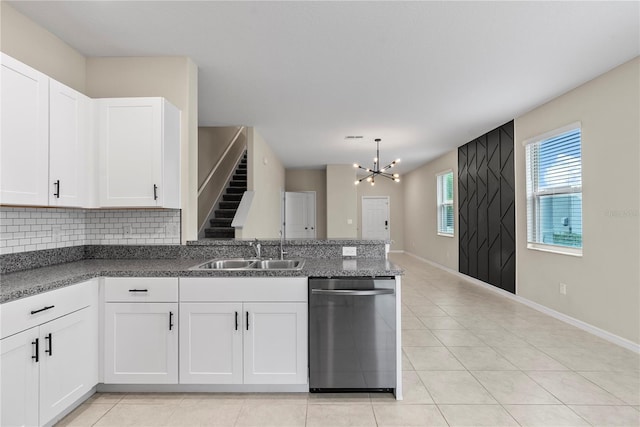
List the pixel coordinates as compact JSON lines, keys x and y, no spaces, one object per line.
{"x":352,"y":292}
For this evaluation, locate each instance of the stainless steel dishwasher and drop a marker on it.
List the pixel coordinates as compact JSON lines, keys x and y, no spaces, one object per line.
{"x":352,"y":334}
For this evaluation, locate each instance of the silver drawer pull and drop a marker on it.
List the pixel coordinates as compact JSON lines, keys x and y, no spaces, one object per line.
{"x":138,"y":290}
{"x":352,"y":292}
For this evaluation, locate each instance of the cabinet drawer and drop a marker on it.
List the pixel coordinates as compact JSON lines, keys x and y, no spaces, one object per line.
{"x":230,"y":289}
{"x":35,"y":310}
{"x":141,"y":289}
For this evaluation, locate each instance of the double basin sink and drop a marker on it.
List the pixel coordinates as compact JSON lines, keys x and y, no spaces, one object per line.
{"x":251,"y":264}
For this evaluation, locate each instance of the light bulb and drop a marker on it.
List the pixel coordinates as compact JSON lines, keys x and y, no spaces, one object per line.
{"x":355,"y":165}
{"x":397,"y":160}
{"x":357,"y":182}
{"x":395,"y":175}
{"x":397,"y":179}
{"x":368,"y":179}
{"x":382,"y":170}
{"x":373,"y":183}
{"x":368,"y":170}
{"x":375,"y":160}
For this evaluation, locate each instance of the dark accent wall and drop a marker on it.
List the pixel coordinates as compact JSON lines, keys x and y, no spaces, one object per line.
{"x":486,"y":198}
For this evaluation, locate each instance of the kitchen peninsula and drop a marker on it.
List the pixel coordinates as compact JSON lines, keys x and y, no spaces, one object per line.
{"x":140,"y":318}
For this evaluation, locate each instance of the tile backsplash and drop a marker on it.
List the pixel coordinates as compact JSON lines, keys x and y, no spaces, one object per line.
{"x":31,"y":229}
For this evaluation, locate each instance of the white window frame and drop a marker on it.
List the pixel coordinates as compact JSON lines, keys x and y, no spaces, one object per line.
{"x":441,"y":203}
{"x":533,"y":195}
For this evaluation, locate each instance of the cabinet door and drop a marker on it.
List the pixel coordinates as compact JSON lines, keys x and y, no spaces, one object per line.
{"x":130,"y":146}
{"x":141,"y":343}
{"x":69,"y":140}
{"x":275,"y":343}
{"x":211,"y":343}
{"x":19,"y":379}
{"x":67,"y":361}
{"x":24,"y":134}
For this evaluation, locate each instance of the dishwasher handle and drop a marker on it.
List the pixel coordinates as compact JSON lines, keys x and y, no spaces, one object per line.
{"x":353,"y":292}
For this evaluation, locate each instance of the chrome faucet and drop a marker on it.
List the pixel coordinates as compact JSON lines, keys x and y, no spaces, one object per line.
{"x":258,"y":247}
{"x":282,"y":252}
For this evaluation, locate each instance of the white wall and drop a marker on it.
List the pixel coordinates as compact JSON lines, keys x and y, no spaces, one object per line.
{"x":174,"y":78}
{"x":395,"y":192}
{"x":26,"y":41}
{"x":421,"y":213}
{"x":265,"y":177}
{"x":603,"y":286}
{"x":342,"y":202}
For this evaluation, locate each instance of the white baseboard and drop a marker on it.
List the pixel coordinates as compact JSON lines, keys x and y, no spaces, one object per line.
{"x":612,"y":338}
{"x":397,"y":251}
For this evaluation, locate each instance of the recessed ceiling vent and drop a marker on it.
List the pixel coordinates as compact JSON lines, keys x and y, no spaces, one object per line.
{"x":354,"y":138}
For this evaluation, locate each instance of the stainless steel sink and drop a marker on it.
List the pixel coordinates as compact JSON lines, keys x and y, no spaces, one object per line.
{"x":226,"y":264}
{"x":251,"y":264}
{"x":280,"y":264}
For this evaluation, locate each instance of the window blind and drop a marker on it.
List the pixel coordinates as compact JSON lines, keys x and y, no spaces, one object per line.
{"x":445,"y":203}
{"x":554,"y":190}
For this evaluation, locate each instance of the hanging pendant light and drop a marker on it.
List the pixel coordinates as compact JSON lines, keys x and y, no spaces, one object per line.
{"x":372,"y":173}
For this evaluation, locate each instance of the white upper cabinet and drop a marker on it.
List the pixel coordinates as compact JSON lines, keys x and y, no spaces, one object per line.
{"x":24,"y":134}
{"x":139,"y":151}
{"x":47,"y":147}
{"x":70,"y":147}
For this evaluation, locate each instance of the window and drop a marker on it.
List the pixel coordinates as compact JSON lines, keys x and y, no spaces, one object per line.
{"x":554,"y":191}
{"x":445,"y":203}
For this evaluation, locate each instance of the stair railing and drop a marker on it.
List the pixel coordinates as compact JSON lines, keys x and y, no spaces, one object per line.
{"x":211,"y":190}
{"x":220,"y":160}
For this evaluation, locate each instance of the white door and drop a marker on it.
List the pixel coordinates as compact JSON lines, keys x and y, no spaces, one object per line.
{"x":375,"y":218}
{"x":130,"y":140}
{"x":141,"y":343}
{"x":66,"y":362}
{"x":68,"y":143}
{"x":275,"y":343}
{"x":24,"y":134}
{"x":211,"y":343}
{"x":19,"y":379}
{"x":300,"y":215}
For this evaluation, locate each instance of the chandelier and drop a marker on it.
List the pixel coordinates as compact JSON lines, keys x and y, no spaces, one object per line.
{"x":371,"y":178}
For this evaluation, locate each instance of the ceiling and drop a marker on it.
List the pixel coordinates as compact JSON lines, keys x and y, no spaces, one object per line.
{"x":425,"y":77}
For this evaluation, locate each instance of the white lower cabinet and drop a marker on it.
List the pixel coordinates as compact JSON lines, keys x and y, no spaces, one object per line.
{"x":243,"y":331}
{"x":47,"y":368}
{"x":141,"y":343}
{"x":275,"y":343}
{"x":140,"y":330}
{"x":19,"y":379}
{"x":211,"y":343}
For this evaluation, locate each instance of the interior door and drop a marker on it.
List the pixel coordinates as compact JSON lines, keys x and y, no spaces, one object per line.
{"x":375,"y":218}
{"x":300,"y":215}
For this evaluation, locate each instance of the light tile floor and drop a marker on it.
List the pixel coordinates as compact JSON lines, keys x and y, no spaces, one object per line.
{"x":471,"y":358}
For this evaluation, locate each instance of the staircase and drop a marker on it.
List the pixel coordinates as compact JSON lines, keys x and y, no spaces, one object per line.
{"x":220,"y":225}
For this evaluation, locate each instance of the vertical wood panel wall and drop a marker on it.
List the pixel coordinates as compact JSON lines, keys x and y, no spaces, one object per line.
{"x":486,"y":194}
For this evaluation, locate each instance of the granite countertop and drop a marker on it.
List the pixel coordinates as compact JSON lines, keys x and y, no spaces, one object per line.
{"x":31,"y":282}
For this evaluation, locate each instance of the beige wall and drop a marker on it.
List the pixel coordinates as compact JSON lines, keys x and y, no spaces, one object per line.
{"x":395,"y":192}
{"x":265,"y":177}
{"x":603,"y":286}
{"x":421,"y":214}
{"x":342,"y":202}
{"x":311,"y":180}
{"x":26,"y":41}
{"x":174,"y":78}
